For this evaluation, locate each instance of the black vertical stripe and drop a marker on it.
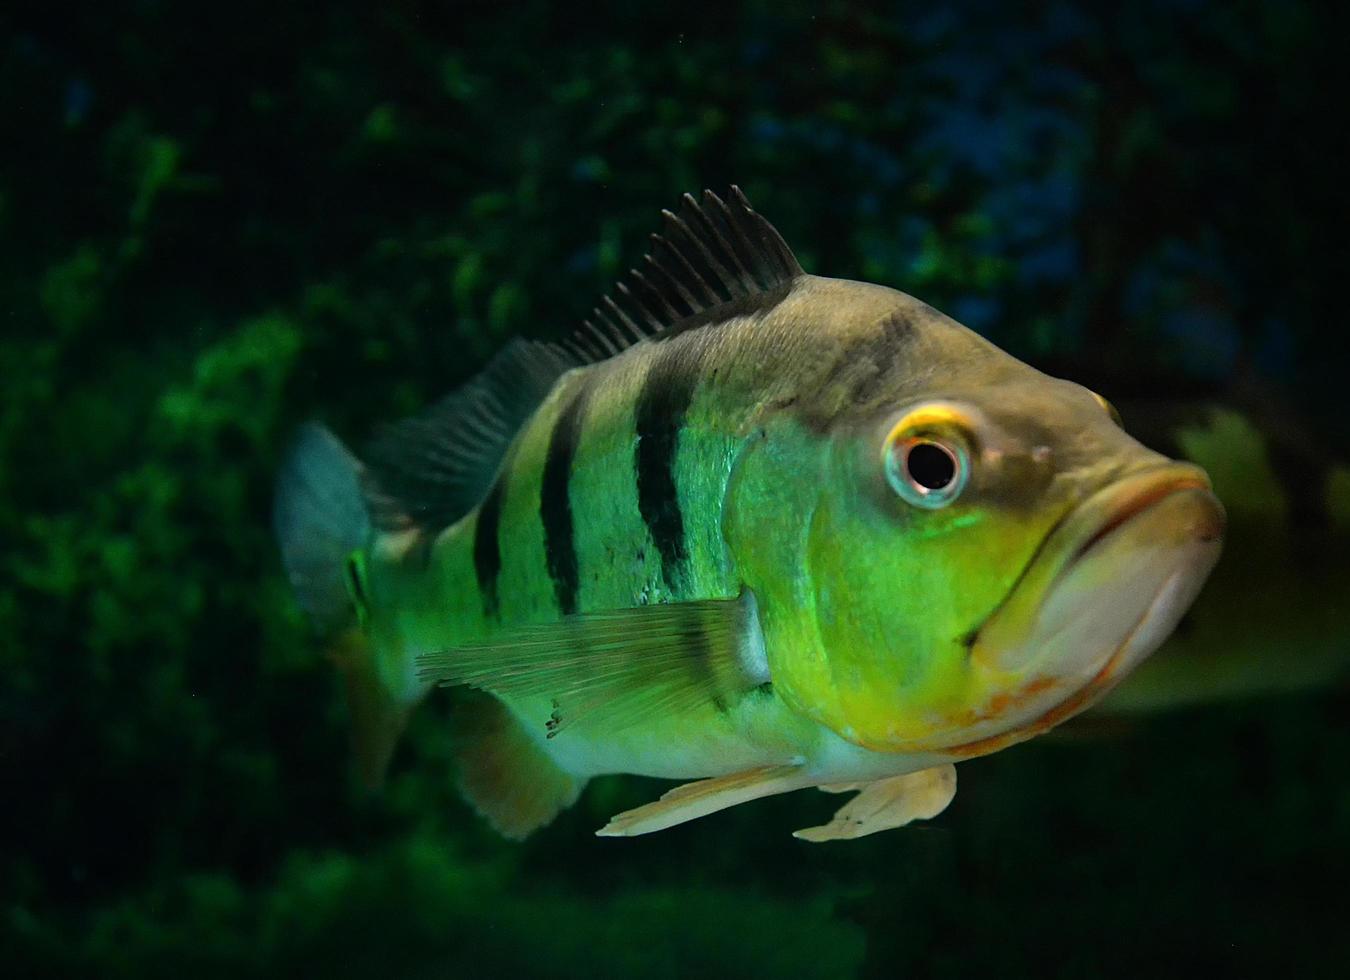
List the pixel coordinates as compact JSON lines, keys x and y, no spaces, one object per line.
{"x":487,"y":548}
{"x":661,"y":409}
{"x":555,"y":504}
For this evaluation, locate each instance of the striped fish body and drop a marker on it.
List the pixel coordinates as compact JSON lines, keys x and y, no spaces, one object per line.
{"x":679,"y":470}
{"x":753,"y":527}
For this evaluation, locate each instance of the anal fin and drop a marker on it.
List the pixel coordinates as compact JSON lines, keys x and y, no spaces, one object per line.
{"x":503,"y":773}
{"x":887,"y":803}
{"x":698,"y":799}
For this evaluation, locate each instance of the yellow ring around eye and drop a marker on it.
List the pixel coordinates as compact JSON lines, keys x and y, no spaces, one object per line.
{"x":927,"y":418}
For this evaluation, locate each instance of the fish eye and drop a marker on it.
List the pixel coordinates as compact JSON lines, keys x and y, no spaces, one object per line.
{"x":926,"y":454}
{"x":927,"y":471}
{"x":1109,"y":409}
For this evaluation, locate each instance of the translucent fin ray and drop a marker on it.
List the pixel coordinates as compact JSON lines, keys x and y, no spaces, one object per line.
{"x":887,"y":803}
{"x":698,"y":799}
{"x":614,"y":668}
{"x":431,"y":469}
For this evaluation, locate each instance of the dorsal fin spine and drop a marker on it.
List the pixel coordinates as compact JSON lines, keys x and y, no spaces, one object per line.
{"x":711,"y":204}
{"x":652,"y":300}
{"x":709,"y":232}
{"x":482,"y":408}
{"x":600,"y":339}
{"x":711,"y":254}
{"x":624,"y":318}
{"x":454,"y":456}
{"x":730,"y":243}
{"x":691,"y":274}
{"x":689,"y":299}
{"x":678,"y":230}
{"x":747,"y":236}
{"x":580,"y":346}
{"x":775,"y":246}
{"x":639,"y":306}
{"x":670,"y":312}
{"x":615,"y":335}
{"x":613,"y":338}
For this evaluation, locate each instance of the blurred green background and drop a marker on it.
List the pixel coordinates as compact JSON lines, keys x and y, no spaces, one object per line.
{"x":217,"y":220}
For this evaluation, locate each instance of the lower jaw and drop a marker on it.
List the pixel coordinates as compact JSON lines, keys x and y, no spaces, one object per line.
{"x":1126,"y":655}
{"x":1080,"y":700}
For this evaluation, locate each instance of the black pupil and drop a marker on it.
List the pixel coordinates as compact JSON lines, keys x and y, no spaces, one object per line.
{"x":930,"y":466}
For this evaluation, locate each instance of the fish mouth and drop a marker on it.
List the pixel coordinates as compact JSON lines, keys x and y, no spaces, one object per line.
{"x":1107,"y":585}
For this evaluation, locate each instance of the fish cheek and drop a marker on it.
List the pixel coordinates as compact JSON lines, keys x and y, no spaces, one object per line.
{"x":883,"y":606}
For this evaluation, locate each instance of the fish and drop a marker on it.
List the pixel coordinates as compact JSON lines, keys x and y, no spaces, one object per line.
{"x":747,"y":528}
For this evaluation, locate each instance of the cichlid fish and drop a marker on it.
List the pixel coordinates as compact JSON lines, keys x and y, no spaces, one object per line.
{"x":749,"y":527}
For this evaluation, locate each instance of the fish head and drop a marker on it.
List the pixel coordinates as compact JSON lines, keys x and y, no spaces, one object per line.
{"x":992,"y":552}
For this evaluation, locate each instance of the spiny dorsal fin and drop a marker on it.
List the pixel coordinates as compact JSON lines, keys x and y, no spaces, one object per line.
{"x":714,"y":260}
{"x":431,"y":469}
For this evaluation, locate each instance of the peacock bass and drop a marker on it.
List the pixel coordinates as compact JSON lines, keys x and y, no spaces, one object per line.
{"x":748,"y":527}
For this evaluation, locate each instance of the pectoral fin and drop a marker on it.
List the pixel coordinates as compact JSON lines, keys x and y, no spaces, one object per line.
{"x":693,"y":800}
{"x":611,"y":669}
{"x":888,"y":803}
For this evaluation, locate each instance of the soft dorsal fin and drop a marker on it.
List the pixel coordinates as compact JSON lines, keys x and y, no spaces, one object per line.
{"x":433,"y":468}
{"x":714,"y":260}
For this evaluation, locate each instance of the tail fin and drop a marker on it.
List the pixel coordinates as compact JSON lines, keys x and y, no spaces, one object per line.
{"x":320,"y":519}
{"x":322,"y":525}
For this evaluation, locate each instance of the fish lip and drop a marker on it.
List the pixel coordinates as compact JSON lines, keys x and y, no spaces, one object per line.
{"x":1127,"y":506}
{"x":1075,"y":536}
{"x":1126,"y":497}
